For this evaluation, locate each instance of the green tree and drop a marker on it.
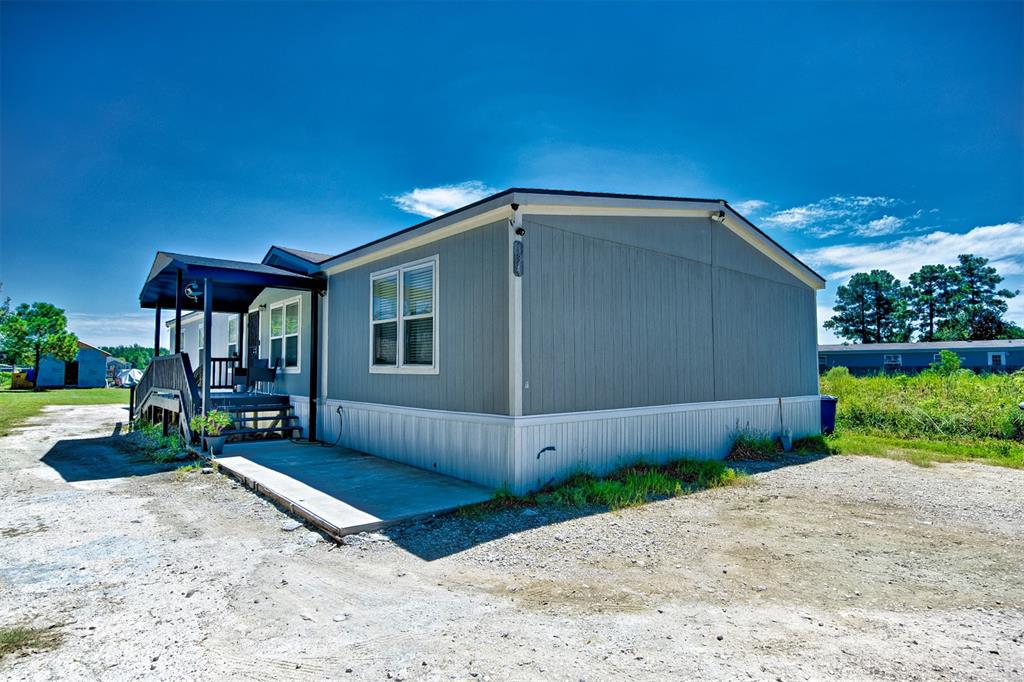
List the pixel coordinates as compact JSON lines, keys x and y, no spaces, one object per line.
{"x":5,"y":311}
{"x":930,"y":296}
{"x":871,"y":308}
{"x":138,"y":356}
{"x":979,"y":305}
{"x":31,"y":331}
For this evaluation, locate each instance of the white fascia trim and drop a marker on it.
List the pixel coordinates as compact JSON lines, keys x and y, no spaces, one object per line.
{"x":563,"y":417}
{"x":698,"y":211}
{"x":769,"y":248}
{"x":416,"y":238}
{"x":597,"y":206}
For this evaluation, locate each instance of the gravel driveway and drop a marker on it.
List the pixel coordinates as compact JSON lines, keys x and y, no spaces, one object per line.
{"x":844,"y":567}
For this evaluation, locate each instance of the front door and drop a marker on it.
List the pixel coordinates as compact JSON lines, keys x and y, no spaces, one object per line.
{"x":252,"y":338}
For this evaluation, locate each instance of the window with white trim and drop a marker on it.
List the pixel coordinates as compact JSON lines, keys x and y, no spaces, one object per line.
{"x":892,"y":361}
{"x":232,"y":337}
{"x":284,"y":335}
{"x":997,"y":359}
{"x":403,"y":318}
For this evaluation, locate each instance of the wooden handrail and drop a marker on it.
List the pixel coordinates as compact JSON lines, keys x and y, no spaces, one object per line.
{"x":173,"y":374}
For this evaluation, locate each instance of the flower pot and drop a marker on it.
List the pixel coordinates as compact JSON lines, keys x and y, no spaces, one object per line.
{"x":215,"y":444}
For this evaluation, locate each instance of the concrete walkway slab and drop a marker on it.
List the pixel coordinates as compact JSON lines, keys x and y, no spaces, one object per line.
{"x":343,"y":491}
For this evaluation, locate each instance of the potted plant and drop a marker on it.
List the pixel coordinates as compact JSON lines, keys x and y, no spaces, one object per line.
{"x":212,"y":425}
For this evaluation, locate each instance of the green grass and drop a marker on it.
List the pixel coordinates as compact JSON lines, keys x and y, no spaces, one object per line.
{"x":929,"y":405}
{"x":627,"y":487}
{"x":932,"y":417}
{"x":928,"y":451}
{"x":15,"y":639}
{"x":17,"y":406}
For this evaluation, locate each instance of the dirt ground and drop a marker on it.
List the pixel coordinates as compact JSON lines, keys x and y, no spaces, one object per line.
{"x":843,"y":567}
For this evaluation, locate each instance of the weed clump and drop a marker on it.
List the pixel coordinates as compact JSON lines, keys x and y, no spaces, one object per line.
{"x":629,"y":486}
{"x":26,"y":639}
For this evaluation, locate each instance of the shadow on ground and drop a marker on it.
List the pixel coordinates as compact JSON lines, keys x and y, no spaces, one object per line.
{"x":93,"y":459}
{"x":443,"y":536}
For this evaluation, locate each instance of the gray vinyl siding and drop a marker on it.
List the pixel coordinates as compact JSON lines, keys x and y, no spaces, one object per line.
{"x":287,"y":383}
{"x":631,"y":312}
{"x":472,"y":309}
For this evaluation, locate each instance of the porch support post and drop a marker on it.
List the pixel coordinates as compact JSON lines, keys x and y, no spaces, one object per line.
{"x":177,"y":315}
{"x":208,"y":335}
{"x":314,"y":353}
{"x":156,"y":334}
{"x":240,"y":338}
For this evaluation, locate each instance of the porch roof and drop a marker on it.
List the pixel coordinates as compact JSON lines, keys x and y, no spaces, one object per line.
{"x":236,"y":283}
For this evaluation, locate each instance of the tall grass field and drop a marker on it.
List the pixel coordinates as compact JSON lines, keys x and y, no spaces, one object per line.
{"x":954,"y":414}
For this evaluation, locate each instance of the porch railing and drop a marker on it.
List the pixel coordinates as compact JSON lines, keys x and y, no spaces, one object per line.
{"x":171,"y":374}
{"x":222,"y":372}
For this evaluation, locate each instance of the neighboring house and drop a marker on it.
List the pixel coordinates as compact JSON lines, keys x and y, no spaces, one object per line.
{"x":527,"y":336}
{"x":88,"y":370}
{"x":866,"y":358}
{"x":115,"y":366}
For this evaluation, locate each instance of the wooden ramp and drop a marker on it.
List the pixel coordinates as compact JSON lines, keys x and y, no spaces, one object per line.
{"x":342,"y":491}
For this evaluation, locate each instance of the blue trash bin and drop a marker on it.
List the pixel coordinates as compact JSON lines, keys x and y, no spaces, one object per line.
{"x":828,"y":413}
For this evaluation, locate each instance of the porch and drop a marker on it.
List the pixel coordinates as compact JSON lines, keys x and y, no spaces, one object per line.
{"x":342,"y":491}
{"x":173,"y":390}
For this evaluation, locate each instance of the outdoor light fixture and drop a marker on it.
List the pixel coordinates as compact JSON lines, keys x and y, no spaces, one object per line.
{"x":193,"y":290}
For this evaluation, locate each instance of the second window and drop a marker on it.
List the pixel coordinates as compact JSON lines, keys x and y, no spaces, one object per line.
{"x":403,"y":328}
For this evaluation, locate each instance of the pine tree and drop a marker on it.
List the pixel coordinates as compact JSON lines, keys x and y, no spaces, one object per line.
{"x":871,"y":308}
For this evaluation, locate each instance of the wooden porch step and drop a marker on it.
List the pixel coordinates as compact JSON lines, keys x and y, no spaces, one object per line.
{"x":287,"y":417}
{"x":255,"y":407}
{"x":272,"y":429}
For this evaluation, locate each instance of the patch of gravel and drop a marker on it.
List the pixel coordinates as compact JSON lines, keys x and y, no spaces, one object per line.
{"x":844,"y":567}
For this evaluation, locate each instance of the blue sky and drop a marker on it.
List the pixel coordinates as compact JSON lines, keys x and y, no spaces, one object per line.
{"x":858,"y":135}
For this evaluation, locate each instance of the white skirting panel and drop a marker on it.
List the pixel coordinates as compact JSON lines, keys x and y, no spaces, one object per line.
{"x":602,"y":441}
{"x":473,"y":447}
{"x":501,"y":451}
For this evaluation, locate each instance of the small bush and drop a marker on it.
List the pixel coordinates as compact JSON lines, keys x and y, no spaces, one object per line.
{"x":753,"y":447}
{"x":947,"y":364}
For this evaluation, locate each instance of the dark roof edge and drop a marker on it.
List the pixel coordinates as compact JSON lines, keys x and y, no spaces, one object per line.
{"x":462,"y":209}
{"x":512,"y":191}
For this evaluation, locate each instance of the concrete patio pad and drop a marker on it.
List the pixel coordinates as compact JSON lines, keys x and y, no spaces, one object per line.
{"x":343,"y":491}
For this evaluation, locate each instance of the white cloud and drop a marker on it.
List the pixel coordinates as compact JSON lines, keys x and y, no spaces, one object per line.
{"x":434,"y":201}
{"x":878,"y":227}
{"x":113,"y":330}
{"x":861,"y":215}
{"x":750,"y":207}
{"x":1002,"y":244}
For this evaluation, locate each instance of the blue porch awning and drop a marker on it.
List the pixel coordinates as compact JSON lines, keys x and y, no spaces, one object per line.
{"x":236,"y":283}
